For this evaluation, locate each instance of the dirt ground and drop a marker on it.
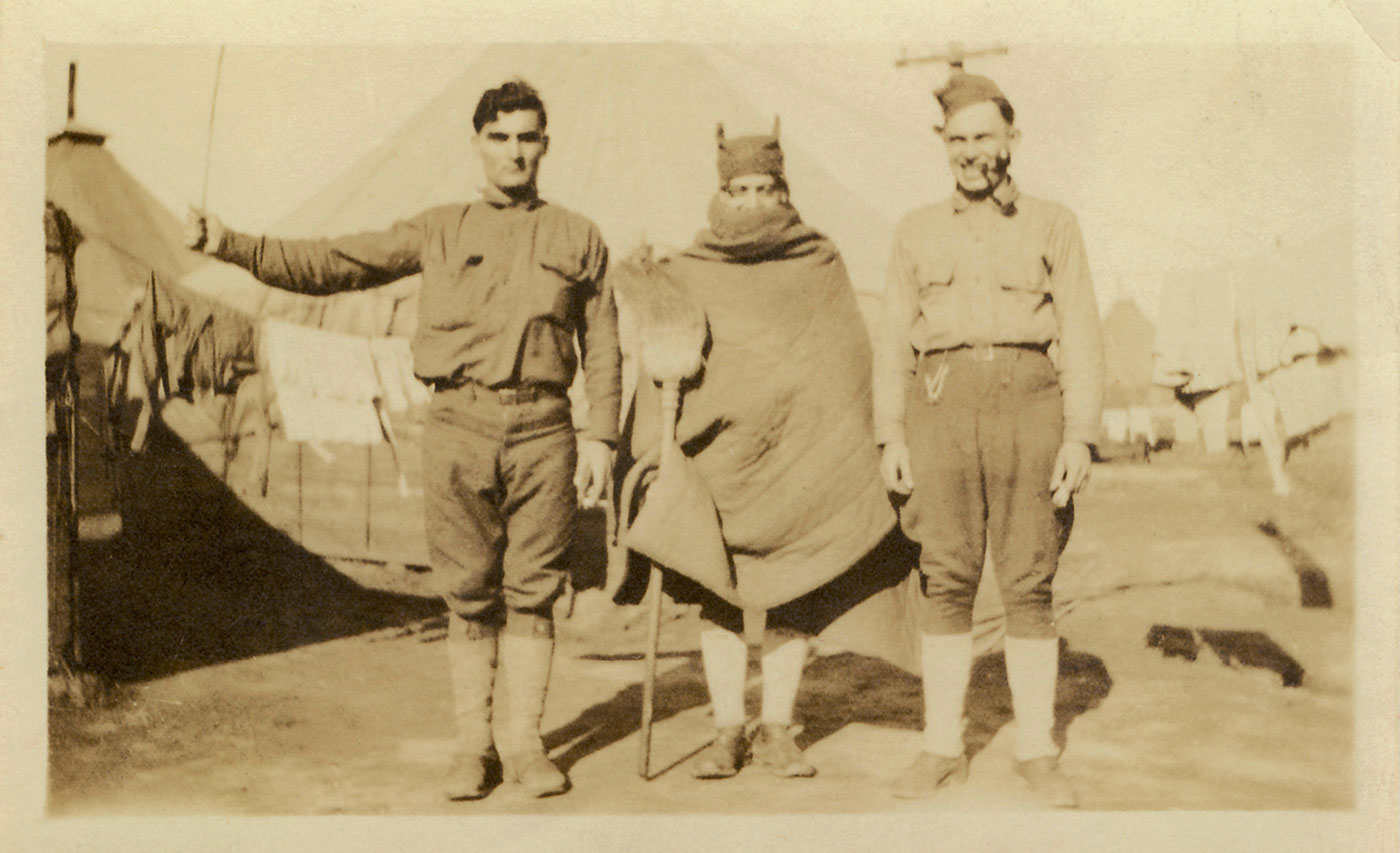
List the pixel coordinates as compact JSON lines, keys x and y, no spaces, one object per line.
{"x":251,"y":678}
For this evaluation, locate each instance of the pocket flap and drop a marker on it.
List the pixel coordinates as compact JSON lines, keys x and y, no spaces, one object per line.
{"x":935,"y":270}
{"x":1027,"y":274}
{"x":567,"y":264}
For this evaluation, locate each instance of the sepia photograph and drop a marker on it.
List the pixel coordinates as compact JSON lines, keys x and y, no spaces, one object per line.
{"x":936,"y":423}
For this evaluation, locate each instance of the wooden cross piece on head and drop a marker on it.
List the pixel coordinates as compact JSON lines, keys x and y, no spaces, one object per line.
{"x":954,"y":55}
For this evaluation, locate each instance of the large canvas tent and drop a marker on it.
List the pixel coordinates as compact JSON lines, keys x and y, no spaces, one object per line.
{"x":632,"y":146}
{"x":127,"y":243}
{"x":124,"y":235}
{"x":107,"y":244}
{"x":173,"y":329}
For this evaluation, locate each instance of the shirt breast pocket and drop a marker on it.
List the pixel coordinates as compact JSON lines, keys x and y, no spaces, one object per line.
{"x":1025,"y":279}
{"x":562,"y":283}
{"x":935,"y":277}
{"x":453,"y":291}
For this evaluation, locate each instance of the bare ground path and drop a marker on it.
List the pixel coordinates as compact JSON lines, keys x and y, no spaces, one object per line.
{"x":256,"y":679}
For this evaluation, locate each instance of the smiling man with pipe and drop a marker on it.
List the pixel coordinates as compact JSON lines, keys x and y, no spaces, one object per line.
{"x":982,"y":428}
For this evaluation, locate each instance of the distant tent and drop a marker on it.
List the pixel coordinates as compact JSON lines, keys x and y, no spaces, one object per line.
{"x":1128,"y":338}
{"x":1278,"y":316}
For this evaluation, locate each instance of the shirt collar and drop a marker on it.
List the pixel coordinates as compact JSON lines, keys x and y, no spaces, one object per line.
{"x":1004,"y":197}
{"x":493,"y":196}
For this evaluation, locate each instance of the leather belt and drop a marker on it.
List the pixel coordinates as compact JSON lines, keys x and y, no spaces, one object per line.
{"x":508,"y":395}
{"x":987,"y":352}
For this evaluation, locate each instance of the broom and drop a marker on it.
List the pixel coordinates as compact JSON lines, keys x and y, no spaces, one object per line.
{"x":671,"y":340}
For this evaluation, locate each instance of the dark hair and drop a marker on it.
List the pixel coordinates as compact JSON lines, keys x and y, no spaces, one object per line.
{"x":509,"y":97}
{"x":1006,"y":111}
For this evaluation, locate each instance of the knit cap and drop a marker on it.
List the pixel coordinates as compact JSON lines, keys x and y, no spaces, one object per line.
{"x":759,"y":154}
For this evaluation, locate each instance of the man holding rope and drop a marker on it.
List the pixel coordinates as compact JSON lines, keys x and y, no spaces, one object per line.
{"x":985,"y":433}
{"x":509,"y":283}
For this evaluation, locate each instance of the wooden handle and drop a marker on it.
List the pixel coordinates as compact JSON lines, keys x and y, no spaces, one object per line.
{"x":649,"y":672}
{"x":670,"y":406}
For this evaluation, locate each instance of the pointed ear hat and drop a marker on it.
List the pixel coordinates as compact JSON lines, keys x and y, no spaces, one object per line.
{"x":749,"y":155}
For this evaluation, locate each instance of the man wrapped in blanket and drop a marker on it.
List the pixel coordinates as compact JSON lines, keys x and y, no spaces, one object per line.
{"x":778,"y":431}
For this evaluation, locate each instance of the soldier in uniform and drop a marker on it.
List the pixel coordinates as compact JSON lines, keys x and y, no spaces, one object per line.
{"x":988,"y":390}
{"x":509,"y":283}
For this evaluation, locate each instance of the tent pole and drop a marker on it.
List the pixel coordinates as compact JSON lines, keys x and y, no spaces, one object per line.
{"x":209,"y":139}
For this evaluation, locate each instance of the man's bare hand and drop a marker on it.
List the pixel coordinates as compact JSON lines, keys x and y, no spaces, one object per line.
{"x":203,"y":231}
{"x":594,"y":470}
{"x":895,"y":468}
{"x":1072,"y":466}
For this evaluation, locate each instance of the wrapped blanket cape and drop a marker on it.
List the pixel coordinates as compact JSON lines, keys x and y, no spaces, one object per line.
{"x":779,"y":426}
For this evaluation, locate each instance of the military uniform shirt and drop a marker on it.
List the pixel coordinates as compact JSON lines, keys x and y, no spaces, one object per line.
{"x":1009,"y":269}
{"x":505,"y":288}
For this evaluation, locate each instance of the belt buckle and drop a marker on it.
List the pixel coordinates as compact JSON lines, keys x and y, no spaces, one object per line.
{"x":519,"y":395}
{"x":983,"y":352}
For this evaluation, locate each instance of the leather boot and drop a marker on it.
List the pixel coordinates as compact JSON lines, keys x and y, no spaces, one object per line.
{"x":1047,"y":782}
{"x":525,"y":662}
{"x":471,"y":653}
{"x":775,"y":751}
{"x":927,"y":774}
{"x":725,"y":755}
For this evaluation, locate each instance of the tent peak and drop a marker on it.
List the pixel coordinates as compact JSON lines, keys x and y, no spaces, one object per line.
{"x":79,"y":133}
{"x":72,"y":130}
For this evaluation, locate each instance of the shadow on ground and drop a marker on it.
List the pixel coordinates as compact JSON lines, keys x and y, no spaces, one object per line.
{"x":599,"y":726}
{"x":848,"y":688}
{"x":836,"y":691}
{"x":198,"y":578}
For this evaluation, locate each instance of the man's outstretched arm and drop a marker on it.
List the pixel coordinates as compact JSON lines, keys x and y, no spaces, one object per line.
{"x":317,"y":267}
